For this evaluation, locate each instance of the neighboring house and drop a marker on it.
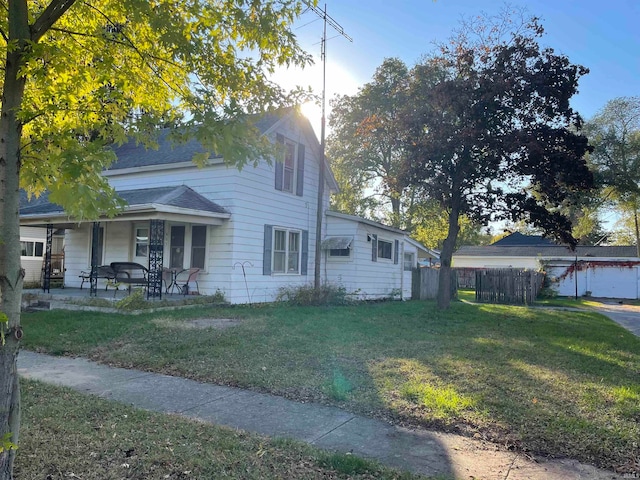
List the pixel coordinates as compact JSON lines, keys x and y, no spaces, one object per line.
{"x":369,"y":259}
{"x":604,"y":271}
{"x":250,"y":232}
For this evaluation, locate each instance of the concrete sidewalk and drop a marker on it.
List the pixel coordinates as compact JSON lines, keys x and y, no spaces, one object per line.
{"x":420,"y":451}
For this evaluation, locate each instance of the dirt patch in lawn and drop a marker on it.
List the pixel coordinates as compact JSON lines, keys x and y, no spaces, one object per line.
{"x":199,"y":323}
{"x":220,"y":323}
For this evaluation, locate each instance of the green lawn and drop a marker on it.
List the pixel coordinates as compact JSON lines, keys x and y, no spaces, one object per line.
{"x":68,"y":435}
{"x":553,"y":382}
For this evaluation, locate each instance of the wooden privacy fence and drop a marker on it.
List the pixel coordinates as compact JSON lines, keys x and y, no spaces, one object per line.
{"x":508,"y":285}
{"x":466,"y":277}
{"x":425,"y":281}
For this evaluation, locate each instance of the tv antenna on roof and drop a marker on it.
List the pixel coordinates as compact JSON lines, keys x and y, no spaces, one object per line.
{"x":327,"y":19}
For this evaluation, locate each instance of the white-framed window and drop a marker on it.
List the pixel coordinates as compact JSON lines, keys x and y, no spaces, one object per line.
{"x":289,"y":168}
{"x":286,"y":251}
{"x":31,"y":248}
{"x":141,"y":241}
{"x":409,"y":262}
{"x":385,"y":249}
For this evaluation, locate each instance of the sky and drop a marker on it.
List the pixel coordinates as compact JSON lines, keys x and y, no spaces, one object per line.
{"x":602,"y":35}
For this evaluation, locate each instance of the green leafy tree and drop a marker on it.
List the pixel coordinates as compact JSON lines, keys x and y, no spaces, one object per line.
{"x":615,"y":135}
{"x":490,"y":124}
{"x":431,"y":227}
{"x":623,"y":232}
{"x":79,"y":76}
{"x":367,"y":147}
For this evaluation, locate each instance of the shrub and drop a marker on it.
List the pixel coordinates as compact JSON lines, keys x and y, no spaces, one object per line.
{"x":307,"y":295}
{"x":135,"y":301}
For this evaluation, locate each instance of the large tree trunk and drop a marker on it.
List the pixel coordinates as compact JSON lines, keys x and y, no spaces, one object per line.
{"x":444,"y":278}
{"x":11,"y":273}
{"x":395,"y":212}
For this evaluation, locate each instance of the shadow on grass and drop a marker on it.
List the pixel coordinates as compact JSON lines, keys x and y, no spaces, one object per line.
{"x":558,"y":383}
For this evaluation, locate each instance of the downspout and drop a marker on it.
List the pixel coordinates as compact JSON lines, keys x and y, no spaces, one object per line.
{"x":401,"y":263}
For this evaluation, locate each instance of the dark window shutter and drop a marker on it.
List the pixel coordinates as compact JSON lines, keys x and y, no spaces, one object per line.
{"x":300,"y":173}
{"x":305,"y":252}
{"x":396,"y":248}
{"x":266,"y":259}
{"x":279,"y":166}
{"x":374,"y":247}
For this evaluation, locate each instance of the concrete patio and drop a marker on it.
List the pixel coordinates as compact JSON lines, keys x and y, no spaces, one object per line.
{"x":56,"y":297}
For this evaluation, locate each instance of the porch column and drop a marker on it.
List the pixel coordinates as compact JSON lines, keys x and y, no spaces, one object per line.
{"x":95,"y":256}
{"x":156,"y":253}
{"x":46,"y":268}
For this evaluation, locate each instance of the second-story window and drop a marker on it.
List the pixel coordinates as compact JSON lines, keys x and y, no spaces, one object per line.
{"x":290,"y":169}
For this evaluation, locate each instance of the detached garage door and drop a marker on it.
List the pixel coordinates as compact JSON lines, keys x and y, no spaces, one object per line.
{"x":613,"y":282}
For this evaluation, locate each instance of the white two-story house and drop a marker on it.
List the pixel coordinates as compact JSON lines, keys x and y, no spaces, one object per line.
{"x":249,"y":231}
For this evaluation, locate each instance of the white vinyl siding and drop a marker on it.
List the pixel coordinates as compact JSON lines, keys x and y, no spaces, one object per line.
{"x":234,"y":253}
{"x":364,"y":275}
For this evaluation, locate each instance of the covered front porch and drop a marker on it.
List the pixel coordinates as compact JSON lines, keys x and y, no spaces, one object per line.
{"x":161,"y":234}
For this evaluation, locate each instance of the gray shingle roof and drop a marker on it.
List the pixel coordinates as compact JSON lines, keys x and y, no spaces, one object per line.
{"x":518,"y":239}
{"x":34,"y":206}
{"x":134,"y":155}
{"x":545,"y":251}
{"x":180,"y":196}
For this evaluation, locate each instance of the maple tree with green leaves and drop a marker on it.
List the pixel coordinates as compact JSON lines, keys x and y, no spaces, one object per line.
{"x":81,"y":76}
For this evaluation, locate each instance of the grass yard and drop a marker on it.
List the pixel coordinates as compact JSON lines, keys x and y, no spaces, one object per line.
{"x":69,"y":435}
{"x":564,"y":384}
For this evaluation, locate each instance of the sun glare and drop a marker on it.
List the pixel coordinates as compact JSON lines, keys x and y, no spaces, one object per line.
{"x":339,"y":82}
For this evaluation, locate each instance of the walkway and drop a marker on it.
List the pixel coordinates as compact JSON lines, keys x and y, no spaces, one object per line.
{"x":420,"y":451}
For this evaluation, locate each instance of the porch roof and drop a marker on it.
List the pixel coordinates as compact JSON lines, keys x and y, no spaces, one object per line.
{"x":177,"y":203}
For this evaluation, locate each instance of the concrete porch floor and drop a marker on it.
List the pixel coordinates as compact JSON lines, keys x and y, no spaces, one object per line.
{"x":74,"y":294}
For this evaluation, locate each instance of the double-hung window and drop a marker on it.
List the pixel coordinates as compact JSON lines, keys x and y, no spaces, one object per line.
{"x":385,"y":249}
{"x":286,"y":251}
{"x":290,"y":169}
